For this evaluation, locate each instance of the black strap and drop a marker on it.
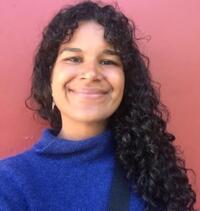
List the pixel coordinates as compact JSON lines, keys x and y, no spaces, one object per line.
{"x":120,"y":193}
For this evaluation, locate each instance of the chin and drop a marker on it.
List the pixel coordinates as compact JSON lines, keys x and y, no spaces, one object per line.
{"x":91,"y":117}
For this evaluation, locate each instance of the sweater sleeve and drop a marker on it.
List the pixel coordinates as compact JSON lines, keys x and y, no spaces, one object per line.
{"x":11,"y":194}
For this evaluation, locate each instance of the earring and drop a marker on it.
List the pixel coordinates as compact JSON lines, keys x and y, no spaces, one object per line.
{"x":53,"y":106}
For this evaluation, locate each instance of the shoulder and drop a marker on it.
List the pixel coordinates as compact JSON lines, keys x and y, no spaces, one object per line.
{"x":19,"y":162}
{"x":11,"y":167}
{"x":22,"y":164}
{"x":15,"y":160}
{"x":12,"y":195}
{"x":18,"y":167}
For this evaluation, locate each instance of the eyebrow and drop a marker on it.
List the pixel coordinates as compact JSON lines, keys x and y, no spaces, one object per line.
{"x":106,"y":51}
{"x":70,"y":49}
{"x":110,"y":52}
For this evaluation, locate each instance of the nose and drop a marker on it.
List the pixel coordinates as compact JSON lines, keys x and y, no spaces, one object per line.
{"x":91,"y":72}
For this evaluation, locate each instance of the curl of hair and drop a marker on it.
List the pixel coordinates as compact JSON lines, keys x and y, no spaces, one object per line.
{"x":144,"y":148}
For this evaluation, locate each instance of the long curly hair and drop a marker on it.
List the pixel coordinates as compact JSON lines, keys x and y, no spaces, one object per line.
{"x":143,"y":146}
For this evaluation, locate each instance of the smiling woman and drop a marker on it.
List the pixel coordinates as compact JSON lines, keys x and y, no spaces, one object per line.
{"x":87,"y":82}
{"x":108,"y":147}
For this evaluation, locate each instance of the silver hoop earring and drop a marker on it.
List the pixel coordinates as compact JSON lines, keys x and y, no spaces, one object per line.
{"x":53,"y":106}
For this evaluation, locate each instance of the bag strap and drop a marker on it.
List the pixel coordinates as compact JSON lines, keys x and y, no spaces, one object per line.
{"x":120,"y":193}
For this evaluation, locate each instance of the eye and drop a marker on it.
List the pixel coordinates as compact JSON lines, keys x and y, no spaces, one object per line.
{"x":108,"y":62}
{"x":74,"y":59}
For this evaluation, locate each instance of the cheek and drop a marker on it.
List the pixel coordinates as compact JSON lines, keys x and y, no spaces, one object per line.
{"x":117,"y":81}
{"x":62,"y":75}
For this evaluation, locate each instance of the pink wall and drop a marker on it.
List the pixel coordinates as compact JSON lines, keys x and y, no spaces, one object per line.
{"x":174,"y":51}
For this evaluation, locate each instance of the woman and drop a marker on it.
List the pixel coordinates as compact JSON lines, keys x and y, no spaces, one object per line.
{"x":92,"y":84}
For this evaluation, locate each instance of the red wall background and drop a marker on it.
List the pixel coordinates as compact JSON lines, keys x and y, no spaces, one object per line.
{"x":174,"y":51}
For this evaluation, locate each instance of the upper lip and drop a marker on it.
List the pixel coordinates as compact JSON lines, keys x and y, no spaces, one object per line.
{"x":90,"y":91}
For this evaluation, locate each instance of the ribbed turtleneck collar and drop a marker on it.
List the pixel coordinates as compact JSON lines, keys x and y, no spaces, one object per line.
{"x":49,"y":143}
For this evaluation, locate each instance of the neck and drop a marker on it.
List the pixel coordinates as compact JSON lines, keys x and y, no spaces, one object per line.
{"x":78,"y":131}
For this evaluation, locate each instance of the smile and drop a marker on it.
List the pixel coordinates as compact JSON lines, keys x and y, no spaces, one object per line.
{"x":89,"y":93}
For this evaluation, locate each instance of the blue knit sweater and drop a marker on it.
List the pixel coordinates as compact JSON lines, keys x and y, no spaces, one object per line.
{"x":61,"y":175}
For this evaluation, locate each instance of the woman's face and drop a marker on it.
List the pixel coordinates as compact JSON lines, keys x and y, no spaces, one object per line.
{"x":87,"y":77}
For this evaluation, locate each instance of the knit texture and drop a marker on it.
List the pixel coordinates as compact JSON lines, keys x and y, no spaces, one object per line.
{"x":61,"y":175}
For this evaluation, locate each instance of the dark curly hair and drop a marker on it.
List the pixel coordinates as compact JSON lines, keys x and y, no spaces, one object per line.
{"x":144,"y":147}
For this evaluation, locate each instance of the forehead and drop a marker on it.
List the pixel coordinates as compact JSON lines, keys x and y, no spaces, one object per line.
{"x":88,"y":35}
{"x":89,"y":27}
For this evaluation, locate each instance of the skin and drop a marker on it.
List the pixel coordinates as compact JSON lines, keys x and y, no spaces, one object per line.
{"x":87,"y":82}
